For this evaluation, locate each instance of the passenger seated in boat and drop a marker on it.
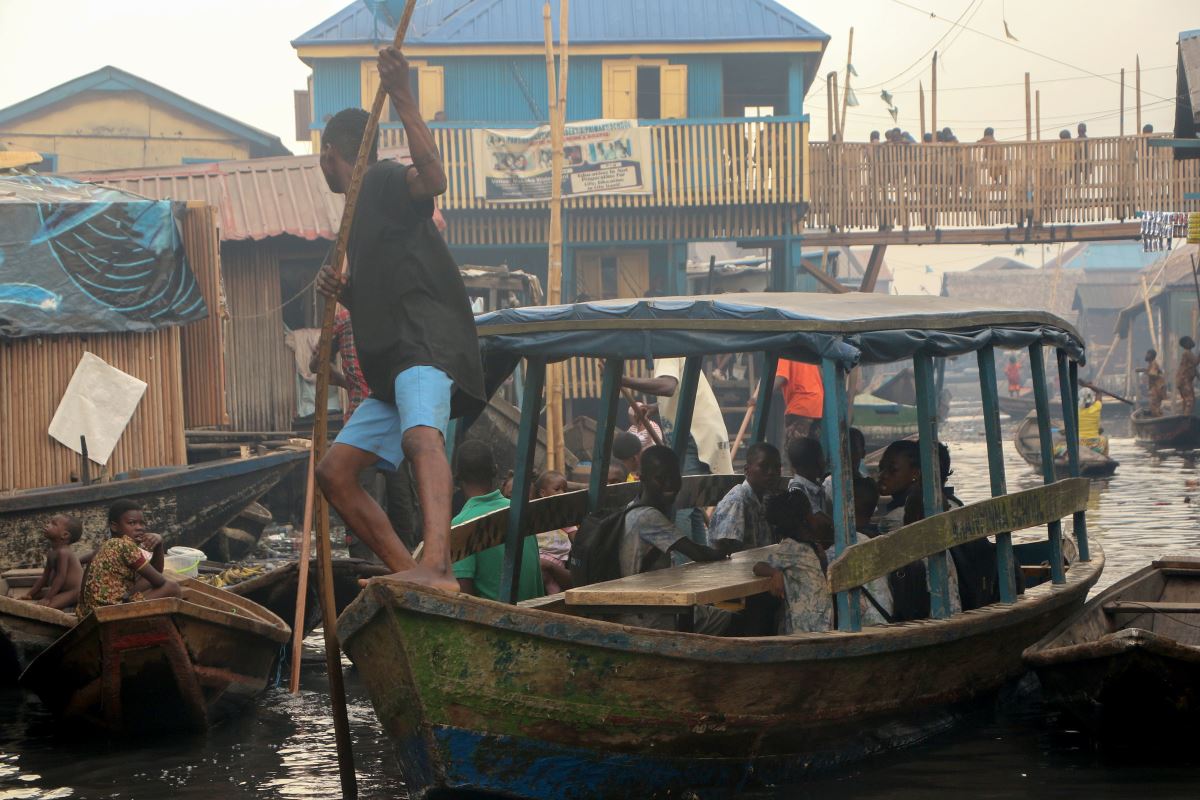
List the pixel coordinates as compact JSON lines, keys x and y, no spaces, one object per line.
{"x":1091,"y":435}
{"x":617,"y":474}
{"x":479,"y":574}
{"x":858,"y":451}
{"x":797,"y":570}
{"x":121,"y":571}
{"x":627,"y":451}
{"x":63,"y":575}
{"x":808,"y":465}
{"x":900,"y":479}
{"x":866,"y":500}
{"x":651,"y":536}
{"x":741,"y":517}
{"x":554,"y":546}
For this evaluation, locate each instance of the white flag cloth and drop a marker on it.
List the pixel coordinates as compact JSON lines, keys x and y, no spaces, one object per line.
{"x":98,"y":404}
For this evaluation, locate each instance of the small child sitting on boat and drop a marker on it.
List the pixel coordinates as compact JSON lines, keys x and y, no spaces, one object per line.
{"x":63,"y":575}
{"x":554,"y":546}
{"x":121,"y":571}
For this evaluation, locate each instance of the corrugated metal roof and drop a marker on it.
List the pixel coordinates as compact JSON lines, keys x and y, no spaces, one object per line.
{"x":257,"y":199}
{"x":1104,"y":256}
{"x":466,"y":22}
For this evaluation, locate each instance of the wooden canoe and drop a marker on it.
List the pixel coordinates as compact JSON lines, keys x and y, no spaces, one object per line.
{"x":1175,"y":432}
{"x":275,"y":590}
{"x":187,"y":505}
{"x":1128,"y":664}
{"x":26,"y":629}
{"x":534,"y":703}
{"x":1028,"y":444}
{"x":175,"y":664}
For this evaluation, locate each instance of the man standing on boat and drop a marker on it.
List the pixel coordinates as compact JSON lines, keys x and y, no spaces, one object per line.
{"x":414,"y":333}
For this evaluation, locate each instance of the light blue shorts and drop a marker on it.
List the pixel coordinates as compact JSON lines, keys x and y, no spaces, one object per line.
{"x":422,"y":398}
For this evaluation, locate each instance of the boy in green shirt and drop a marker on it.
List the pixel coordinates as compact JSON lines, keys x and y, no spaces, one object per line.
{"x":479,"y":574}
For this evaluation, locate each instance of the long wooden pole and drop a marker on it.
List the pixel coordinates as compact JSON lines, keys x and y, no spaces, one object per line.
{"x":1037,"y":115}
{"x":933,"y":98}
{"x":830,"y":112}
{"x":846,"y":88}
{"x":1028,"y":112}
{"x":1149,"y":315}
{"x":921,"y":102}
{"x":333,"y":660}
{"x":554,"y":239}
{"x":1137,"y":91}
{"x":302,"y":578}
{"x":556,"y":370}
{"x":834,"y":82}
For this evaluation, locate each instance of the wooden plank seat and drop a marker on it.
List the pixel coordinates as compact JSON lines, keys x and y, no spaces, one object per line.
{"x":697,"y":583}
{"x":1146,"y":607}
{"x":862,"y":563}
{"x":570,"y":508}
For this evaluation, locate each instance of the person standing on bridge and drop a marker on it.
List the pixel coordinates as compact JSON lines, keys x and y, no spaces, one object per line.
{"x":414,"y":332}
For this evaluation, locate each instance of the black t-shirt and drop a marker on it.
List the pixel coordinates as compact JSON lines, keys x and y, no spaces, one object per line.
{"x":406,"y":297}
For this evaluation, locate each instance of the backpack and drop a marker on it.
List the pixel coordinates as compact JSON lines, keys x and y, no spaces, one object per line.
{"x":596,"y":552}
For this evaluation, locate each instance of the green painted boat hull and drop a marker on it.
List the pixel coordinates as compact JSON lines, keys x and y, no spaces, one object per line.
{"x":532,"y":703}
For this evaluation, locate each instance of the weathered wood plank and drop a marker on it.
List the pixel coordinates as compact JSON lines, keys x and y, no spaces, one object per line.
{"x":691,"y":584}
{"x":1139,"y":607}
{"x":864,"y":562}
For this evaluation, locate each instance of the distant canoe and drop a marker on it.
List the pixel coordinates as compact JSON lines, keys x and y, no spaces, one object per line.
{"x":175,"y":664}
{"x":1128,"y":664}
{"x":26,"y":629}
{"x":1028,"y":444}
{"x":1023,"y":405}
{"x":1175,"y":432}
{"x":187,"y":504}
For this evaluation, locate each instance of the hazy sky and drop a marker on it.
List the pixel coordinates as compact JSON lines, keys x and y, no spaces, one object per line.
{"x":234,"y":56}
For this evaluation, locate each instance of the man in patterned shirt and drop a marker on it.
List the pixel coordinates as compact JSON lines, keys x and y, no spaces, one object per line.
{"x":741,"y":515}
{"x":348,"y":373}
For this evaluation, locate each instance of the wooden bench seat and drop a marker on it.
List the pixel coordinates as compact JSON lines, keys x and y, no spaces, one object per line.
{"x":699,"y":583}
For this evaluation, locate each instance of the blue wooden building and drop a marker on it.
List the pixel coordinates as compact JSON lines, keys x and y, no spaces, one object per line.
{"x":719,"y":84}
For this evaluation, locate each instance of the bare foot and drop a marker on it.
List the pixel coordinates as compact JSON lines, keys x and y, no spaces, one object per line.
{"x":423,"y":575}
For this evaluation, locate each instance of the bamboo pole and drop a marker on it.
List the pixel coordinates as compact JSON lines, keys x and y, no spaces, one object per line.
{"x":302,"y":578}
{"x":1150,"y":316}
{"x":554,"y":240}
{"x":933,"y":98}
{"x":1137,"y":92}
{"x":741,"y":434}
{"x":921,"y":101}
{"x":830,"y":111}
{"x":846,"y":89}
{"x":1037,"y":115}
{"x":333,"y":661}
{"x":1028,"y":119}
{"x":834,"y":82}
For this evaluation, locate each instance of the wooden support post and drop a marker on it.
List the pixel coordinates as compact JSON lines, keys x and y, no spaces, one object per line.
{"x":1122,"y":127}
{"x":921,"y":102}
{"x":874,"y":265}
{"x":931,"y":485}
{"x":1068,"y":379}
{"x":1028,"y":118}
{"x":682,"y":430}
{"x":846,"y":90}
{"x":1037,"y":114}
{"x":933,"y":98}
{"x":1005,"y":560}
{"x":1041,"y":395}
{"x":837,"y":434}
{"x":834,"y":83}
{"x":1137,"y":92}
{"x":766,"y":396}
{"x":302,"y":577}
{"x":514,"y":542}
{"x":610,"y":394}
{"x":831,"y":102}
{"x":823,"y":278}
{"x":556,"y":92}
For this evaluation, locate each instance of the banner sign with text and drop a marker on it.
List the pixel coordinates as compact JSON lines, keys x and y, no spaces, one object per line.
{"x":600,"y":157}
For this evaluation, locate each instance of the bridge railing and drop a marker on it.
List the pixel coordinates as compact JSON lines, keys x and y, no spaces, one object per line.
{"x":914,"y":186}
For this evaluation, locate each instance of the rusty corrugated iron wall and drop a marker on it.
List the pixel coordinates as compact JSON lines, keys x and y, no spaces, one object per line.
{"x":259,"y":367}
{"x":34,"y":373}
{"x":203,"y":346}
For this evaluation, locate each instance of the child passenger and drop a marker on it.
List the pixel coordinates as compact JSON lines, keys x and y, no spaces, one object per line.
{"x":554,"y":547}
{"x":63,"y":574}
{"x":113,"y":575}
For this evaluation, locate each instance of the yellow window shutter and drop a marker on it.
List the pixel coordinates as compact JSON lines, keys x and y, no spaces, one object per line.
{"x":673,"y":84}
{"x":587,"y":276}
{"x":431,"y":86}
{"x":634,"y":273}
{"x":620,"y":90}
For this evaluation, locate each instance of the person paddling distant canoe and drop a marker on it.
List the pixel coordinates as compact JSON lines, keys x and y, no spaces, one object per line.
{"x":413,"y":328}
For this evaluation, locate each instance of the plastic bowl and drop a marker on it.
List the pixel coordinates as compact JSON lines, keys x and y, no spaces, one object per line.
{"x":184,"y":560}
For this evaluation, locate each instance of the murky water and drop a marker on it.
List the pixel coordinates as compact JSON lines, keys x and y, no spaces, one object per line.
{"x":1014,"y":748}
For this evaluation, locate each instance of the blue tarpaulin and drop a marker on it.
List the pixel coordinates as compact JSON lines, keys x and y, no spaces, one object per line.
{"x":78,"y":258}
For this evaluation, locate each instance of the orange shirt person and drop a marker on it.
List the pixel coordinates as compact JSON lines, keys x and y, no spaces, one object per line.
{"x":803,"y":395}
